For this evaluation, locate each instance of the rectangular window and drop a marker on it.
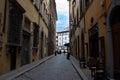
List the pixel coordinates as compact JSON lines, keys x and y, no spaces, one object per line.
{"x":65,"y":38}
{"x":41,"y":5}
{"x":27,"y":24}
{"x":14,"y":28}
{"x":37,"y":3}
{"x":35,"y":35}
{"x":73,"y":7}
{"x":43,"y":9}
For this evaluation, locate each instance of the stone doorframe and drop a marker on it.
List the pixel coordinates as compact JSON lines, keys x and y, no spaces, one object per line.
{"x":110,"y":68}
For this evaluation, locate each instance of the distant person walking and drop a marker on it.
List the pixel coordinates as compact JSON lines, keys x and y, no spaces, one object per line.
{"x":68,"y":55}
{"x":55,"y":52}
{"x":60,"y":52}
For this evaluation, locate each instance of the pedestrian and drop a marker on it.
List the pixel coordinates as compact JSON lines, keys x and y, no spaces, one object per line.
{"x":64,"y":51}
{"x":60,"y":51}
{"x":68,"y":56}
{"x":55,"y":53}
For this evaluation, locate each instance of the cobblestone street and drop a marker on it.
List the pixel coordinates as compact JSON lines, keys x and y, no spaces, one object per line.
{"x":57,"y":68}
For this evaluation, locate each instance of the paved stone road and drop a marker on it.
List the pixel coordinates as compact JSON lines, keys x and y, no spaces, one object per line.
{"x":57,"y":68}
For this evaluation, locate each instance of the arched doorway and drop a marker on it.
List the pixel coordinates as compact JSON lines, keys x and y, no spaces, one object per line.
{"x":42,"y":38}
{"x":115,"y":28}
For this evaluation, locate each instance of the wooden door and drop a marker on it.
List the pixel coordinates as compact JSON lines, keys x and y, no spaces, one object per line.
{"x":116,"y":49}
{"x":26,"y":48}
{"x":13,"y":58}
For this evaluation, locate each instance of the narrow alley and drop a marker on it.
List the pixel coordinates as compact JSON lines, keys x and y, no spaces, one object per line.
{"x":57,"y":68}
{"x":59,"y":39}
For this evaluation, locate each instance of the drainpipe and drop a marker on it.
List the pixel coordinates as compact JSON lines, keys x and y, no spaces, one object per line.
{"x":84,"y":32}
{"x":5,"y":10}
{"x":39,"y":14}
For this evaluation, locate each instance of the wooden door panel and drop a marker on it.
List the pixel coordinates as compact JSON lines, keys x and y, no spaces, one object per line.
{"x":116,"y":49}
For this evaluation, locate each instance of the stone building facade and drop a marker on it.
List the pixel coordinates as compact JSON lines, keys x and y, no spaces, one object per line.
{"x":94,"y":33}
{"x":62,"y":38}
{"x":52,"y":28}
{"x":24,"y":32}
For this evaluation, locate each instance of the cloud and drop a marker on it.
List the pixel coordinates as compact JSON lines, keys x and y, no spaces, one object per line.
{"x":62,"y":22}
{"x":62,"y":6}
{"x":63,"y":14}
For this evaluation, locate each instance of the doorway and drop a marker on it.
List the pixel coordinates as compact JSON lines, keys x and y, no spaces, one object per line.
{"x":42,"y":43}
{"x":82,"y":45}
{"x":13,"y":58}
{"x":94,"y":42}
{"x":26,"y":48}
{"x":115,"y":27}
{"x":102,"y":52}
{"x":116,"y":47}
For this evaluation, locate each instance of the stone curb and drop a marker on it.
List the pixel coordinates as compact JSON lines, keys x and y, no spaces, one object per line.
{"x":81,"y":74}
{"x":13,"y":74}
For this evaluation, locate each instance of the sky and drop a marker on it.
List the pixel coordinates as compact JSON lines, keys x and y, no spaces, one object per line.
{"x":63,"y":14}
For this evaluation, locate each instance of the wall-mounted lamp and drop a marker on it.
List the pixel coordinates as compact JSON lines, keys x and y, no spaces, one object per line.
{"x":92,"y":20}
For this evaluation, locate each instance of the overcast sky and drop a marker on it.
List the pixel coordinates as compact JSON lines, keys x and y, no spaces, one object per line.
{"x":63,"y":14}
